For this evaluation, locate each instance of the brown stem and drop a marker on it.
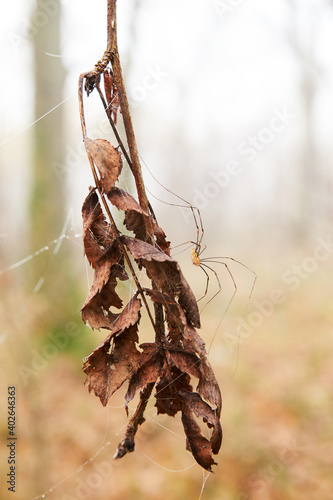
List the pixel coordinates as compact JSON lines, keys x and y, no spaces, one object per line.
{"x":81,"y":109}
{"x":111,"y":55}
{"x":112,"y":48}
{"x":159,"y":323}
{"x":136,"y":167}
{"x":111,"y":23}
{"x":127,"y":444}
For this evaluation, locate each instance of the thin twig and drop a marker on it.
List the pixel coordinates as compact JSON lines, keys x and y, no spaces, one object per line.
{"x":127,"y":444}
{"x":113,"y":126}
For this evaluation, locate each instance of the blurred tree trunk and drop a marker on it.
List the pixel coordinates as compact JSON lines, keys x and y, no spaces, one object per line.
{"x":48,"y":210}
{"x":47,"y":207}
{"x":309,"y":159}
{"x":47,"y":214}
{"x":303,"y":42}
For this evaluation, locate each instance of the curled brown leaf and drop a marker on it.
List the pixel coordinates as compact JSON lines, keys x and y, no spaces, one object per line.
{"x":197,"y":444}
{"x":107,"y":160}
{"x":108,"y":83}
{"x":111,"y":94}
{"x":151,"y":362}
{"x":97,"y":232}
{"x":201,"y":409}
{"x":208,"y":386}
{"x":167,"y":399}
{"x":116,"y":359}
{"x":102,"y":294}
{"x":135,"y":217}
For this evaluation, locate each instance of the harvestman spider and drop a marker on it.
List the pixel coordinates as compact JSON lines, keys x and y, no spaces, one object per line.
{"x":198,"y":261}
{"x":199,"y":248}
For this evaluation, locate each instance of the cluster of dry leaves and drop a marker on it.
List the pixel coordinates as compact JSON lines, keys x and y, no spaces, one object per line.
{"x":177,"y":360}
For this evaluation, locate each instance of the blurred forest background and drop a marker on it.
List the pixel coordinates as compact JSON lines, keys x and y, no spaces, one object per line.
{"x":232,"y":105}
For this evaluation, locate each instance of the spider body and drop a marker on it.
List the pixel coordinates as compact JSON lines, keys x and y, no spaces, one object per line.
{"x":198,"y":262}
{"x":195,"y":257}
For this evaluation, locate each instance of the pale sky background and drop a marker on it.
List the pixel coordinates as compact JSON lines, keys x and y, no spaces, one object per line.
{"x":224,"y":75}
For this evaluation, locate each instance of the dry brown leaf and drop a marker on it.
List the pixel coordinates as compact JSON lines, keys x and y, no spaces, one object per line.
{"x":102,"y":294}
{"x":142,"y":250}
{"x":111,"y":94}
{"x":107,"y":371}
{"x":167,"y":399}
{"x":95,"y":310}
{"x":161,"y":240}
{"x":151,"y":362}
{"x":161,"y":268}
{"x":97,"y":317}
{"x":175,"y":317}
{"x":124,"y":201}
{"x":193,"y":402}
{"x":129,"y":316}
{"x":208,"y":386}
{"x":135,"y":217}
{"x":118,"y":357}
{"x":197,"y":444}
{"x":188,"y":302}
{"x":185,"y":361}
{"x":107,"y":160}
{"x":108,"y":84}
{"x":97,"y":232}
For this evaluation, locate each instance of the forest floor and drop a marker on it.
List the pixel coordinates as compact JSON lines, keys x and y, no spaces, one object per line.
{"x":276,"y":377}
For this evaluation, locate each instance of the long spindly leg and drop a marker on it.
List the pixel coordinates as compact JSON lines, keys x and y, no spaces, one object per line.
{"x":246,"y":305}
{"x":192,"y":244}
{"x":218,"y":280}
{"x":189,"y":242}
{"x":200,"y":230}
{"x":207,"y":281}
{"x":195,"y":210}
{"x":218,"y":260}
{"x":202,"y":265}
